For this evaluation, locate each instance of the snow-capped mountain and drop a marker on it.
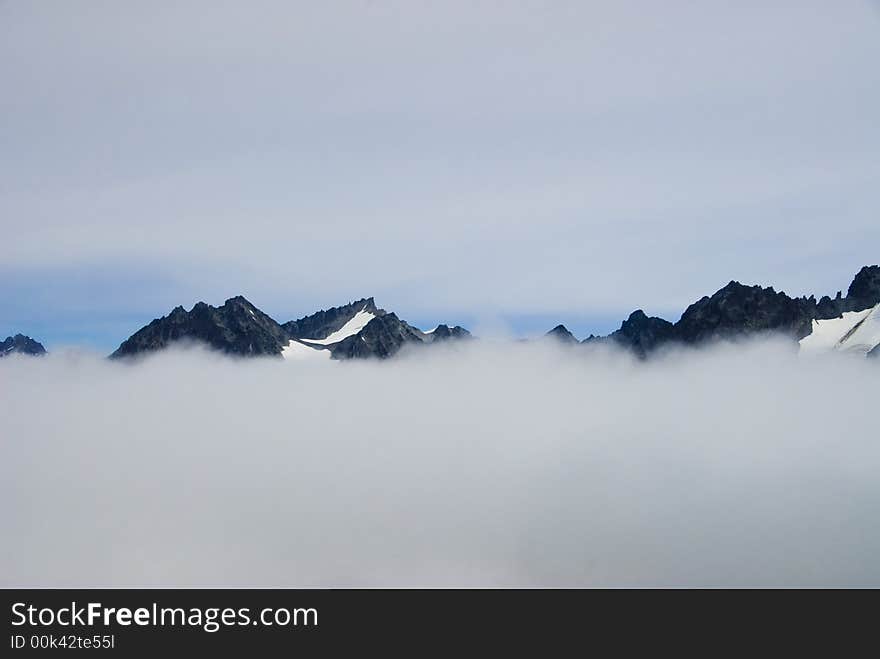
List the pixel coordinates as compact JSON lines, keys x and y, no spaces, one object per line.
{"x":844,"y":323}
{"x":21,"y":345}
{"x":356,"y":330}
{"x":360,"y":329}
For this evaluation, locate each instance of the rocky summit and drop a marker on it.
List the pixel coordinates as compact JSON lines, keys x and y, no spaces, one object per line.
{"x":356,"y":330}
{"x":447,"y":333}
{"x":864,"y":292}
{"x":236,"y":328}
{"x":360,"y":329}
{"x":382,"y":337}
{"x":21,"y":345}
{"x":562,"y":334}
{"x":323,"y":323}
{"x":736,"y":311}
{"x":642,"y":334}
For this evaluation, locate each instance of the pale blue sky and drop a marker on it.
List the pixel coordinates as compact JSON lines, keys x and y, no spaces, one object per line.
{"x":485,"y":163}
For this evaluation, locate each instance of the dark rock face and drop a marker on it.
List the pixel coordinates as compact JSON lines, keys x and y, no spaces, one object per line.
{"x":322,"y":324}
{"x":864,"y":292}
{"x":382,"y":337}
{"x":737,"y":311}
{"x":239,"y":328}
{"x":560,"y":333}
{"x":643,"y":334}
{"x":828,"y":308}
{"x":236,"y":328}
{"x":21,"y":345}
{"x":446,"y":333}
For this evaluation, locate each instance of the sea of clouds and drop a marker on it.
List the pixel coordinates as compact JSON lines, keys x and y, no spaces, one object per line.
{"x":487,"y":464}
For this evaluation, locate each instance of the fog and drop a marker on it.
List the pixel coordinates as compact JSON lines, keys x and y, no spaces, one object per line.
{"x":487,"y":464}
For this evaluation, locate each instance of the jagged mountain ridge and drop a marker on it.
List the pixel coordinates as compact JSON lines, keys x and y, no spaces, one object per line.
{"x":643,"y":334}
{"x":854,"y":332}
{"x":382,"y":337}
{"x":21,"y":345}
{"x":445,"y":333}
{"x":864,"y":291}
{"x":323,"y":323}
{"x":236,"y":328}
{"x":356,"y":330}
{"x":738,"y":311}
{"x":360,"y":329}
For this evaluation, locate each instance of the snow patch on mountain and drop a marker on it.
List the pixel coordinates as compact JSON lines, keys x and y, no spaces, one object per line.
{"x":352,"y":327}
{"x":319,"y":349}
{"x":865,"y":335}
{"x":297,"y":351}
{"x":853,"y":331}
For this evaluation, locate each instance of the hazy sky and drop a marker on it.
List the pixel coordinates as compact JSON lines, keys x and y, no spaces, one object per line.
{"x":473,"y":162}
{"x":478,"y":464}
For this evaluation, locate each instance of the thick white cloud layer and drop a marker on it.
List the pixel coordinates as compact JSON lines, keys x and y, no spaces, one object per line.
{"x":463,"y":156}
{"x":487,"y":464}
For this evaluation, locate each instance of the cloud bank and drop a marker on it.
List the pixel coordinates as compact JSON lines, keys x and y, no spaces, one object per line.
{"x":487,"y":464}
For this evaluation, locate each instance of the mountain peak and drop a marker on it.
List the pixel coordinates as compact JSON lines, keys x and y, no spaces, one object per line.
{"x":864,"y":291}
{"x":325,"y":322}
{"x":21,"y":345}
{"x":382,"y":337}
{"x":239,"y":300}
{"x":360,"y":329}
{"x":561,"y":333}
{"x":237,"y":328}
{"x":444,"y":333}
{"x":642,"y":333}
{"x":738,"y":310}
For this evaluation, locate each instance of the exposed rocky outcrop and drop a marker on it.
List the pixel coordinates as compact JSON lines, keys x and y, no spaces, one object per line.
{"x":864,"y":291}
{"x":21,"y":345}
{"x":236,"y":328}
{"x":737,"y":311}
{"x":642,"y":334}
{"x":382,"y":337}
{"x":239,"y":328}
{"x":446,"y":333}
{"x":827,"y":308}
{"x":323,"y":323}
